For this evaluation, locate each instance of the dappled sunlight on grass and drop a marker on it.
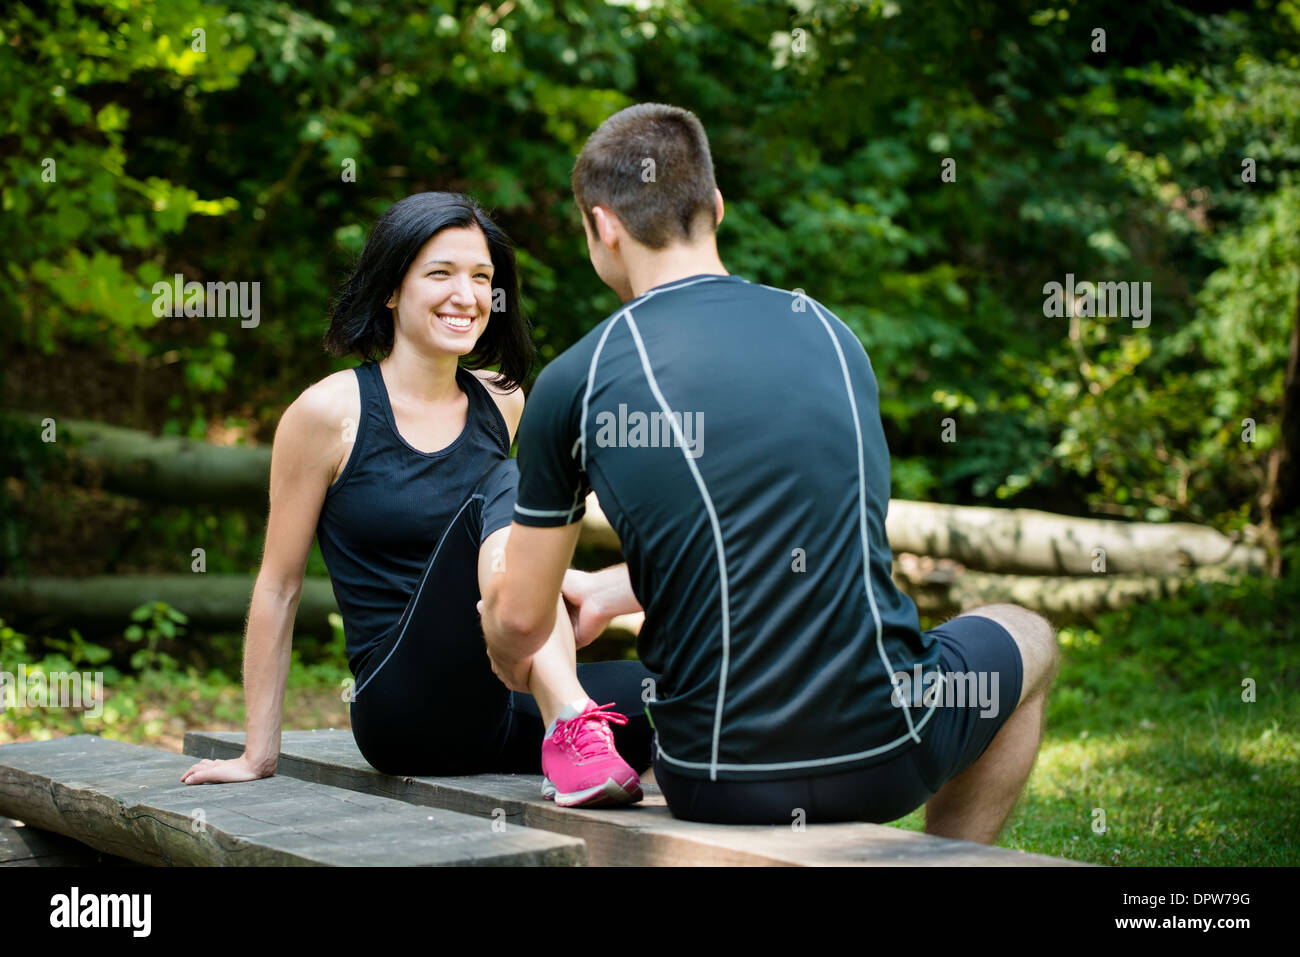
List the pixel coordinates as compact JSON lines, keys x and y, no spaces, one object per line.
{"x":1202,"y":787}
{"x":157,"y":709}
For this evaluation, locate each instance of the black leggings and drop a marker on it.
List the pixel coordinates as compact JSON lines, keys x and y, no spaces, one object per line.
{"x":426,"y":701}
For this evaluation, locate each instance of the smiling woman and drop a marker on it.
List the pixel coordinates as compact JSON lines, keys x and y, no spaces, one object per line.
{"x":443,"y":236}
{"x":401,"y":468}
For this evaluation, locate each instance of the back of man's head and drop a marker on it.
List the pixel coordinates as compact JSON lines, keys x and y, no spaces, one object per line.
{"x":651,"y":167}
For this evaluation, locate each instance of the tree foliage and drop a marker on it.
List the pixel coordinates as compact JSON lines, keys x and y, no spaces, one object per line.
{"x":212,"y":141}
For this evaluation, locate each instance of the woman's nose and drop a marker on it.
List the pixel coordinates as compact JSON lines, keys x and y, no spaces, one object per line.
{"x":462,"y":291}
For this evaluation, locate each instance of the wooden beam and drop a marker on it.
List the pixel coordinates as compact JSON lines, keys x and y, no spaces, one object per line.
{"x":128,"y":800}
{"x":22,"y":846}
{"x":642,"y":834}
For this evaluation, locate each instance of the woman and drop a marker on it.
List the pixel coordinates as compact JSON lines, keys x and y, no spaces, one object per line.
{"x":401,"y":468}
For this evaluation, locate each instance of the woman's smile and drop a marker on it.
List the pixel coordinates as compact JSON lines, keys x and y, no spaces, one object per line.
{"x":457,"y":321}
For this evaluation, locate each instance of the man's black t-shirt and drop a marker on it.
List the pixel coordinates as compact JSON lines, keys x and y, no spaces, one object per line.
{"x":732,"y":434}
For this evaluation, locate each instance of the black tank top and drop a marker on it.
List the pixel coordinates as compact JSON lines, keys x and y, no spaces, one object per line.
{"x":385,"y":513}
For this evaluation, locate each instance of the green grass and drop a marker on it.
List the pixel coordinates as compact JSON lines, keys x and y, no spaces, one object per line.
{"x":158,"y":705}
{"x":1147,"y":723}
{"x":158,"y":708}
{"x":1206,"y":788}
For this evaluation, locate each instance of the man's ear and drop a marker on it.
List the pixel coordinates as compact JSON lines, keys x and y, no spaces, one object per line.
{"x":608,"y":227}
{"x":717,"y":198}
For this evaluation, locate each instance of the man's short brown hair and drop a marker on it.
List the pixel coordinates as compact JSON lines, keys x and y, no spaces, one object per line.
{"x":651,"y":167}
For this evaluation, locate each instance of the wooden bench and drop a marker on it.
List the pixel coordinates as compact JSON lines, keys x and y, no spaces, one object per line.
{"x":642,"y":834}
{"x":23,"y":846}
{"x":128,"y":800}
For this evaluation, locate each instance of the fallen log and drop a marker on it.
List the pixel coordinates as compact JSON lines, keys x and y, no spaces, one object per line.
{"x":213,"y":602}
{"x":1022,"y":541}
{"x":163,"y":468}
{"x":220,"y":602}
{"x":1010,"y":541}
{"x":1063,"y":600}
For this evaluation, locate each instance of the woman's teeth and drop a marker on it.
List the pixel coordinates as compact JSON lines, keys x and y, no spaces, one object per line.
{"x":457,"y":322}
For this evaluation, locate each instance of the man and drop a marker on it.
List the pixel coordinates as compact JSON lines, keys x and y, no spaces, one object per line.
{"x":732,"y":434}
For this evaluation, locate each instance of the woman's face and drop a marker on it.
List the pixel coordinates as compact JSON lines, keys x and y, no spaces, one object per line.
{"x":445,"y":299}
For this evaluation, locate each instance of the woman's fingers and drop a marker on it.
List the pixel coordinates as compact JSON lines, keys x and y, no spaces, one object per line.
{"x":225,"y":771}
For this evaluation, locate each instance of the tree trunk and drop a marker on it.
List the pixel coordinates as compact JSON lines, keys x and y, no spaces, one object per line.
{"x":1011,"y":541}
{"x":165,"y":469}
{"x":213,"y":602}
{"x":1028,"y":542}
{"x":1062,"y":600}
{"x":220,"y":602}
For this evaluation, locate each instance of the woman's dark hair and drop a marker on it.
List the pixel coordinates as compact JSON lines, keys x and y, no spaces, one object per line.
{"x":360,"y":323}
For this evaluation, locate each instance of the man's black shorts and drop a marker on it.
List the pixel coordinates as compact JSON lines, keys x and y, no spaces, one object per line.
{"x":950,"y":743}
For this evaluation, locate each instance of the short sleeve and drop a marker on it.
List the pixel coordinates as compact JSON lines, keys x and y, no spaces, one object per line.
{"x":552,"y":486}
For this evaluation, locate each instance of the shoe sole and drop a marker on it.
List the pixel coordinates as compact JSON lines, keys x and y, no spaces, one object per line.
{"x":602,"y":795}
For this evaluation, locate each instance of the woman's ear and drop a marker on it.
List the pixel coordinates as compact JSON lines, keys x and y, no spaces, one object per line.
{"x":392,"y":301}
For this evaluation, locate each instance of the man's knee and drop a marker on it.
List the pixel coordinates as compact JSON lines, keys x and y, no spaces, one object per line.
{"x":1035,"y":637}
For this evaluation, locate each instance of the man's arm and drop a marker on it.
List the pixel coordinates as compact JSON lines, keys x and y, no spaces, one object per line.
{"x":520,"y":602}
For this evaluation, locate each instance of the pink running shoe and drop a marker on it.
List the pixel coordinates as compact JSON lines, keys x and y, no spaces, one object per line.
{"x":580,"y":764}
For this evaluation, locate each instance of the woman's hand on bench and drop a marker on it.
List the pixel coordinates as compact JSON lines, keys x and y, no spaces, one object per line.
{"x":225,"y":771}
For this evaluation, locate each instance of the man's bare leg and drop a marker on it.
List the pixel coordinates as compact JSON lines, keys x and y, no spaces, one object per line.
{"x":554,"y":681}
{"x":975,"y":804}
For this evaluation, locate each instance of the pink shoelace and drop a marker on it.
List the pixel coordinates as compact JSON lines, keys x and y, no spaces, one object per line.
{"x":589,"y":733}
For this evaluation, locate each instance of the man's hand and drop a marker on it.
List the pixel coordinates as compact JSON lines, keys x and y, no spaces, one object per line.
{"x":513,"y":672}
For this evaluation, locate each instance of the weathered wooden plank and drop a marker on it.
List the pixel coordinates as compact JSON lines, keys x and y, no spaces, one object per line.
{"x":22,"y":846}
{"x":129,"y":801}
{"x":643,"y":834}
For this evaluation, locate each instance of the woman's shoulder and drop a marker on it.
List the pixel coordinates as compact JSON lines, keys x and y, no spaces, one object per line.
{"x":327,"y":403}
{"x":509,"y":399}
{"x":490,"y":380}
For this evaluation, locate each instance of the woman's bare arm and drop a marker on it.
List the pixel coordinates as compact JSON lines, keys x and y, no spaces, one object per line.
{"x":311,"y":443}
